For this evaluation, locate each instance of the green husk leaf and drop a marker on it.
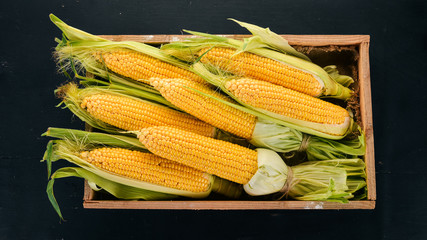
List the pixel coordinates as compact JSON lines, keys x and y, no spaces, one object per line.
{"x":272,"y":39}
{"x":323,"y":149}
{"x":116,"y":189}
{"x":284,"y":139}
{"x":277,"y":137}
{"x":331,"y":180}
{"x":52,"y":199}
{"x":94,"y":138}
{"x":271,"y":176}
{"x":48,"y":157}
{"x":73,"y":33}
{"x":333,"y":72}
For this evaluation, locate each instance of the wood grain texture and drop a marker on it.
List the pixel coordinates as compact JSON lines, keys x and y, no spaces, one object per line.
{"x":367,"y":117}
{"x":227,"y":205}
{"x":305,"y":40}
{"x":362,"y":42}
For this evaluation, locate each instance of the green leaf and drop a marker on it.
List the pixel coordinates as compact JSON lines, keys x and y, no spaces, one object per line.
{"x":85,"y":137}
{"x":73,"y":33}
{"x":271,"y":39}
{"x":52,"y":199}
{"x":48,"y":157}
{"x":344,"y":80}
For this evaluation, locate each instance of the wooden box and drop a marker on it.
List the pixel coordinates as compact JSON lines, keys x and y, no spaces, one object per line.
{"x":350,"y":53}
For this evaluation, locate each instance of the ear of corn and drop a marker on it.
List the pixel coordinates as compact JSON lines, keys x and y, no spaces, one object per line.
{"x":117,"y":61}
{"x":334,"y":129}
{"x":187,"y":50}
{"x":84,"y":142}
{"x":262,"y":171}
{"x":128,"y":174}
{"x":291,"y":106}
{"x":70,"y":151}
{"x":113,"y":112}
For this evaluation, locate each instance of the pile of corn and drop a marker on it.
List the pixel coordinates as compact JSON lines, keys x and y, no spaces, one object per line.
{"x":208,"y":114}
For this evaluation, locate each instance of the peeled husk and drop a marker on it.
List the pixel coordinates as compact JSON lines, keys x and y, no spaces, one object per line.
{"x":334,"y":180}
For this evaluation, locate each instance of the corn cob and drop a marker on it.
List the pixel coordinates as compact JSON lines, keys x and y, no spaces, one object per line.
{"x":261,"y":171}
{"x":113,"y":111}
{"x":250,"y":65}
{"x":286,"y":102}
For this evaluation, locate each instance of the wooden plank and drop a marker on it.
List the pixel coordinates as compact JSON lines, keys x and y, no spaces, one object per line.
{"x":309,"y":40}
{"x":88,"y":192}
{"x":227,"y":205}
{"x":367,"y":117}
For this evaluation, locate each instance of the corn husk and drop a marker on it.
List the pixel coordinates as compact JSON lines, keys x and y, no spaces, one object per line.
{"x":335,"y":180}
{"x":284,"y":139}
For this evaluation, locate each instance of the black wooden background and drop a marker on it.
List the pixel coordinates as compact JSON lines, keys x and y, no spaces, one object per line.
{"x":28,"y":77}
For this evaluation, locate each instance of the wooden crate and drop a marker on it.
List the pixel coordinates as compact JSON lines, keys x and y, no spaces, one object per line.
{"x":336,"y":45}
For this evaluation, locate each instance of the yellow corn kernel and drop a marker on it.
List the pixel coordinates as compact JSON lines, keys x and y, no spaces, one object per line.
{"x":286,"y":102}
{"x":250,"y":65}
{"x":220,"y":115}
{"x":141,"y":67}
{"x":148,"y":167}
{"x":223,"y":159}
{"x":132,"y":114}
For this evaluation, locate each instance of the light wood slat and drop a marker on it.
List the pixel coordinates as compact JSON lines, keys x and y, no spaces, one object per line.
{"x":227,"y":205}
{"x":310,"y":40}
{"x":367,"y":119}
